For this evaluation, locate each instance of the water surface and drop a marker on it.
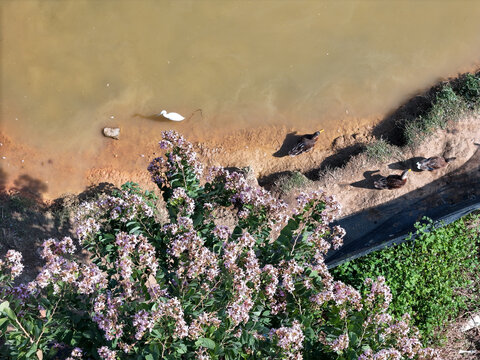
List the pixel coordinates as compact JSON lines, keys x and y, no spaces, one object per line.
{"x":69,"y":68}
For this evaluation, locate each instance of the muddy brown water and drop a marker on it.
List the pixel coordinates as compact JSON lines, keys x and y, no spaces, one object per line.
{"x":69,"y":68}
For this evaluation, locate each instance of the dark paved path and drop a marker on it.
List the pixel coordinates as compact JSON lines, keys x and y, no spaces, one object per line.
{"x":448,"y":198}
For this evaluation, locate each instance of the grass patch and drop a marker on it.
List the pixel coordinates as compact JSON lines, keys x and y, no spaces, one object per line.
{"x":380,"y":150}
{"x":290,"y":181}
{"x":432,"y":277}
{"x":447,"y":105}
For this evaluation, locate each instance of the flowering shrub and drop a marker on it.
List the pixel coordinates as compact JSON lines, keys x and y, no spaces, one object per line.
{"x":196,"y":287}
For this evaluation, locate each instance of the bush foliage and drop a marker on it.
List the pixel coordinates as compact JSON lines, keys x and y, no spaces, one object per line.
{"x":193,"y":287}
{"x":430,"y":276}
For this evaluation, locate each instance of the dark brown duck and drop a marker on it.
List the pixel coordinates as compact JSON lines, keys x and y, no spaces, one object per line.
{"x":433,"y":163}
{"x":392,"y":181}
{"x":305,"y":143}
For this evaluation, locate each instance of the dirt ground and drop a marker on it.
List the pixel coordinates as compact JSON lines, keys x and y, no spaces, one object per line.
{"x":461,"y":345}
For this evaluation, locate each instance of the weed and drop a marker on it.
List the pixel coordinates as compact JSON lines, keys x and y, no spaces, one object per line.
{"x":425,"y":273}
{"x":469,"y":88}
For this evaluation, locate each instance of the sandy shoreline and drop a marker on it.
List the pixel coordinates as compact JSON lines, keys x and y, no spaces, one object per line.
{"x":261,"y":150}
{"x":117,"y":161}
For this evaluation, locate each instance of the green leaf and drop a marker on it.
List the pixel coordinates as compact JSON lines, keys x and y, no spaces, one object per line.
{"x":4,"y":305}
{"x":207,"y":343}
{"x":181,"y":349}
{"x":31,"y":351}
{"x":9,"y":312}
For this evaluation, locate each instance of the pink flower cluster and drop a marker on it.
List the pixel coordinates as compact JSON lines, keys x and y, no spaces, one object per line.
{"x":400,"y":335}
{"x":145,"y":321}
{"x":86,"y":278}
{"x":196,"y":330}
{"x":183,"y":201}
{"x":289,"y":339}
{"x":107,"y":311}
{"x":75,"y":354}
{"x":379,"y":293}
{"x":134,"y":251}
{"x":344,"y":296}
{"x":92,"y":215}
{"x":195,"y":258}
{"x":340,"y":343}
{"x":12,"y":263}
{"x":180,"y":154}
{"x":251,"y":199}
{"x":106,"y":353}
{"x":289,"y":270}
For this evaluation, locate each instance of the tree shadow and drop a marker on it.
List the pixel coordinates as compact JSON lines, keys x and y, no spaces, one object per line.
{"x":29,"y":187}
{"x":26,"y":221}
{"x":288,"y":144}
{"x":367,"y":183}
{"x":407,"y":164}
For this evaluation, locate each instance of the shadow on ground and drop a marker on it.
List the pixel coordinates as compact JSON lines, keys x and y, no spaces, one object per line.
{"x":448,"y":198}
{"x":407,"y":164}
{"x":26,"y":221}
{"x":288,"y":143}
{"x":370,"y":178}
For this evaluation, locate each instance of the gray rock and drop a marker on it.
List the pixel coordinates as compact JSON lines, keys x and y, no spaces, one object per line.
{"x":113,"y":133}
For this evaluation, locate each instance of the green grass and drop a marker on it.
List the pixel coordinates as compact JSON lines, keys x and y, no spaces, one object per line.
{"x":380,"y":150}
{"x":433,"y":277}
{"x":446,"y":106}
{"x":294,"y":180}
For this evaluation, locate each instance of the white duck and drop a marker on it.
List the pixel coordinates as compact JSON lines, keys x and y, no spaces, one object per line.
{"x":171,"y":116}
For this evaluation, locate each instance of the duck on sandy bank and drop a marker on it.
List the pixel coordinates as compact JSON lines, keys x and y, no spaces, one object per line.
{"x":433,"y":163}
{"x":305,"y":143}
{"x":392,"y":181}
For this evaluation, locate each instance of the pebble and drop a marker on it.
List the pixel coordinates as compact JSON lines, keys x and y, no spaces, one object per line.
{"x":4,"y":157}
{"x":114,"y":133}
{"x":112,"y":117}
{"x":142,"y":155}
